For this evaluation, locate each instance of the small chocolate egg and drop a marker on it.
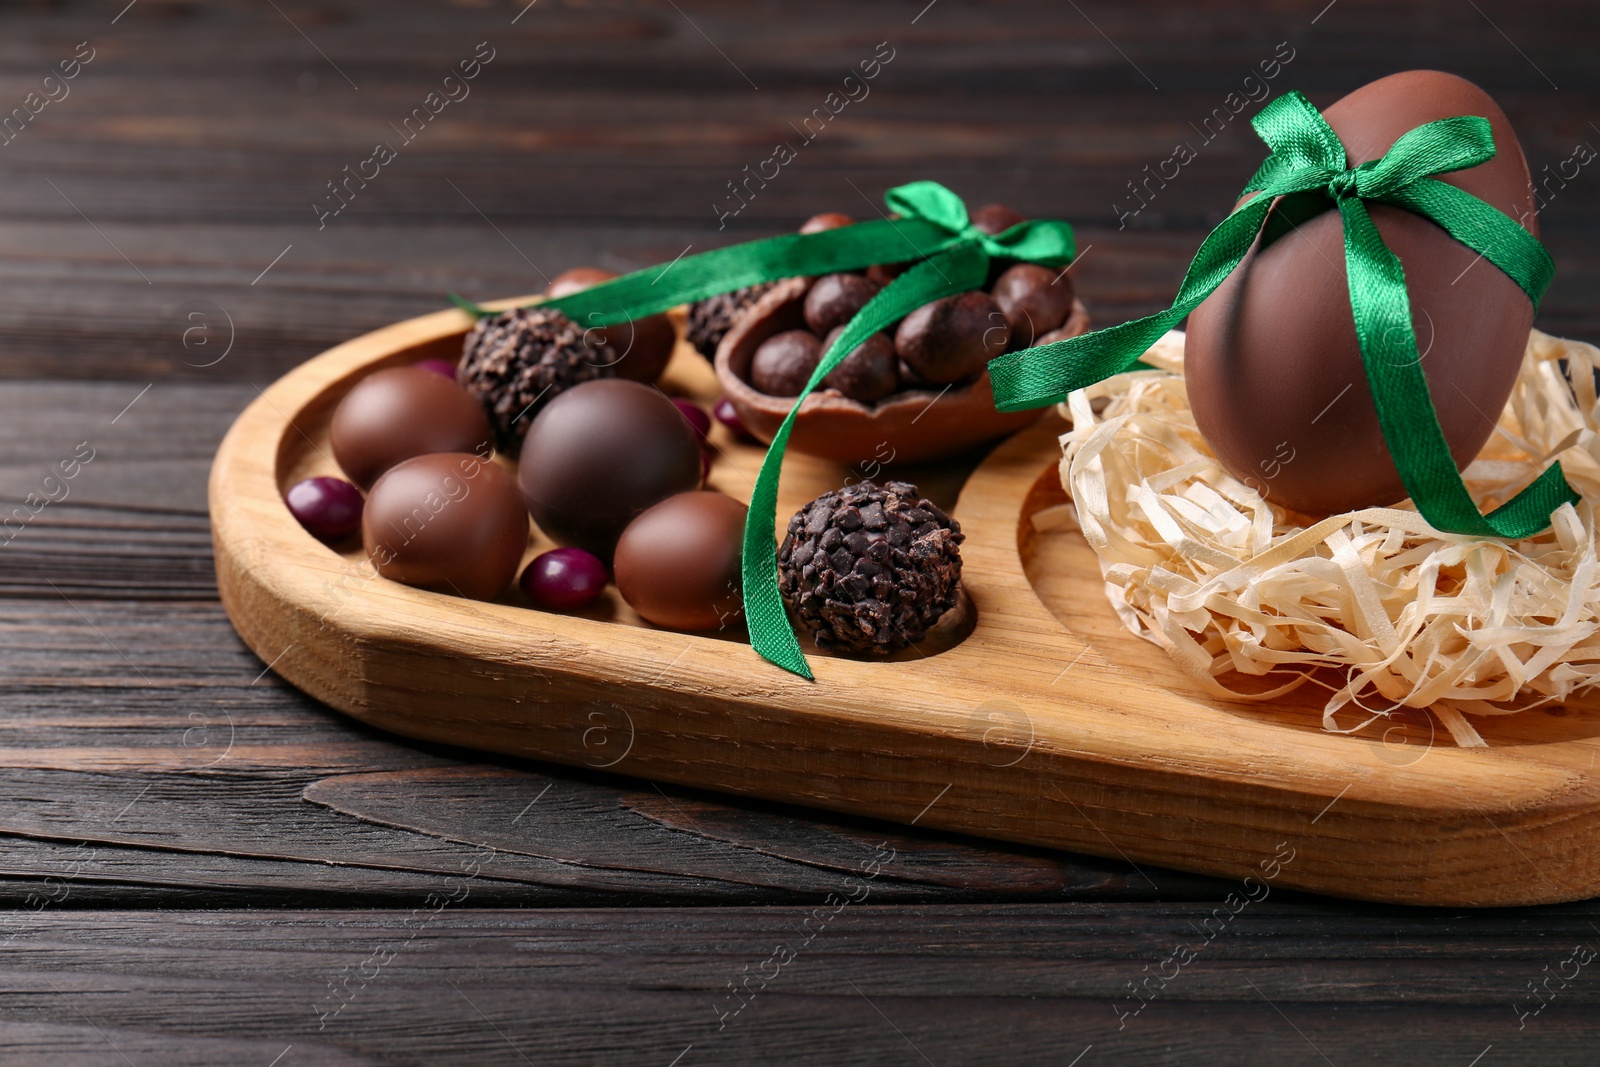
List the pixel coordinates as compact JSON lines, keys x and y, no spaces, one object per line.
{"x":678,"y":563}
{"x":1272,"y":365}
{"x":392,"y":415}
{"x":637,"y":350}
{"x":828,"y":220}
{"x":601,"y":453}
{"x":952,"y":338}
{"x":868,"y":374}
{"x":834,"y":299}
{"x":1034,"y":300}
{"x":449,"y":522}
{"x":782,"y":365}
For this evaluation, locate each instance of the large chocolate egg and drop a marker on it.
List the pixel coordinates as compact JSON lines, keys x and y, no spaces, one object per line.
{"x":638,"y":350}
{"x":678,"y":563}
{"x":598,"y":455}
{"x":1273,"y":368}
{"x":392,"y":415}
{"x":450,"y":522}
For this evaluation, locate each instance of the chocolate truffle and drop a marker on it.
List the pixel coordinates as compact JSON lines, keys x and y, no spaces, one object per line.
{"x":392,"y":415}
{"x":952,"y":338}
{"x":1034,"y":300}
{"x":450,"y":522}
{"x":678,"y":563}
{"x":828,"y":220}
{"x":995,"y":219}
{"x":868,"y":569}
{"x":638,"y":350}
{"x":868,"y":374}
{"x":601,"y":453}
{"x":519,"y":360}
{"x":782,"y":365}
{"x":834,"y":299}
{"x":711,"y":319}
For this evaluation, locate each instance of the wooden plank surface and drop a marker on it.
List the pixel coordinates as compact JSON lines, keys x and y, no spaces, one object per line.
{"x":188,"y":156}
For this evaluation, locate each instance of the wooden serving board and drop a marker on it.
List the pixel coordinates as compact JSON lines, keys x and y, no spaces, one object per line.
{"x":1035,"y":718}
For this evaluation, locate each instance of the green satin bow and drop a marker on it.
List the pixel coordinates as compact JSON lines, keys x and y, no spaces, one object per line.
{"x":1308,"y":158}
{"x":933,"y":226}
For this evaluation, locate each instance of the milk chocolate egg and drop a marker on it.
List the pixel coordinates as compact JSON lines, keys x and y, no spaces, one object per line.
{"x":678,"y":563}
{"x":450,"y":522}
{"x":1274,"y":372}
{"x":392,"y":415}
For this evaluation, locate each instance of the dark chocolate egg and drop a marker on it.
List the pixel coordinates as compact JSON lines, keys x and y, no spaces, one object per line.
{"x":638,"y":350}
{"x":450,"y":522}
{"x":1273,"y":368}
{"x":392,"y":415}
{"x":598,"y":455}
{"x":678,"y":563}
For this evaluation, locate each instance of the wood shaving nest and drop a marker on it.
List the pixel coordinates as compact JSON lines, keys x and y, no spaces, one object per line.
{"x":1375,"y":605}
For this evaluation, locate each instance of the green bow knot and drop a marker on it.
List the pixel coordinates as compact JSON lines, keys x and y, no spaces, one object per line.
{"x":932,"y":227}
{"x":1044,"y":241}
{"x":1308,"y":161}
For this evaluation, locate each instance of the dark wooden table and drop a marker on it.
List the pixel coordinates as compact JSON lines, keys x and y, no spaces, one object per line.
{"x":202,"y":866}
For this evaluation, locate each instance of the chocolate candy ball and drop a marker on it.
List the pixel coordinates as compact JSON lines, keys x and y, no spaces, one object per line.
{"x":783,"y":363}
{"x":828,"y":220}
{"x":834,"y":299}
{"x":564,"y":579}
{"x":638,"y":350}
{"x":881,"y":274}
{"x":601,"y":453}
{"x":868,"y":374}
{"x":678,"y":563}
{"x":329,"y":508}
{"x":449,"y":522}
{"x":995,"y":219}
{"x":1034,"y":300}
{"x":952,"y":338}
{"x":392,"y":415}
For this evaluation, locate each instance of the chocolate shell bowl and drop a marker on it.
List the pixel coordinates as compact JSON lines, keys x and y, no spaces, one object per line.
{"x":913,"y":425}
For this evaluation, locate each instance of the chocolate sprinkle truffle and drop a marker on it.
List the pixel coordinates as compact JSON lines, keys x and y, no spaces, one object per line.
{"x":868,"y":569}
{"x":516,"y":362}
{"x":711,"y":319}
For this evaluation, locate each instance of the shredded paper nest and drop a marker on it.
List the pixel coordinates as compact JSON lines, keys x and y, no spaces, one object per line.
{"x":1375,"y":605}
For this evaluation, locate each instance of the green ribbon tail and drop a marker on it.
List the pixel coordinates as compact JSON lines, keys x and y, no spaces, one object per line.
{"x":955,"y":270}
{"x":1036,"y":377}
{"x":722,"y":270}
{"x":1406,"y":415}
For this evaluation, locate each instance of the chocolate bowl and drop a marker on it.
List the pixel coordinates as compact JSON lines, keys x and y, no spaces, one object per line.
{"x":911,"y":426}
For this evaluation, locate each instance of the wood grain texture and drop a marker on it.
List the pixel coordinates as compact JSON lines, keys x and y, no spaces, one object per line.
{"x":1037,"y":984}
